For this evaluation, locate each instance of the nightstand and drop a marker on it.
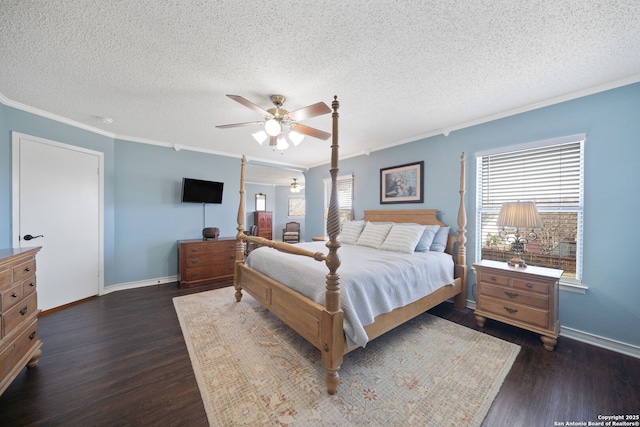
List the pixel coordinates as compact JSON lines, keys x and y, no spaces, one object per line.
{"x":522,"y":297}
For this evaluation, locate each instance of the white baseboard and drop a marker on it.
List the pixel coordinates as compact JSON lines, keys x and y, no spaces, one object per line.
{"x":603,"y":342}
{"x":588,"y":338}
{"x":139,"y":284}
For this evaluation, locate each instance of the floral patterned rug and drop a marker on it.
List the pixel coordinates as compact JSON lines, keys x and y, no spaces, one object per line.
{"x":253,"y":370}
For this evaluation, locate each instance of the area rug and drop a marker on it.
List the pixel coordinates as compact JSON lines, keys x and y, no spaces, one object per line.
{"x":253,"y":370}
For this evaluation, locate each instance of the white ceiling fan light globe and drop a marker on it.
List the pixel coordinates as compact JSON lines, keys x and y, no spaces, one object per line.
{"x":296,"y":137}
{"x":260,"y":136}
{"x":272,"y":127}
{"x":282,"y":143}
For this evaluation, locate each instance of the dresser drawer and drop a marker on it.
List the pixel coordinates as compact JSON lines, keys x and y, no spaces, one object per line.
{"x":24,"y":270}
{"x":13,"y":352}
{"x":11,"y":297}
{"x":208,"y":271}
{"x":5,"y":278}
{"x":210,"y":247}
{"x":204,"y":259}
{"x":17,"y":314}
{"x":516,"y":296}
{"x":29,"y":286}
{"x":521,"y":313}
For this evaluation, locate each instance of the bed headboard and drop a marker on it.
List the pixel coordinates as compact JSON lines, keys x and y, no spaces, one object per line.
{"x":417,"y":216}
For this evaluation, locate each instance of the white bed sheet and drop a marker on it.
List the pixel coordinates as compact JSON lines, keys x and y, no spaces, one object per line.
{"x":372,"y":281}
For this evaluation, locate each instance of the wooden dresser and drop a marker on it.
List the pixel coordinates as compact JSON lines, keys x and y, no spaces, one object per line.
{"x":263,"y":219}
{"x":19,"y":343}
{"x":203,"y":262}
{"x":523,"y":297}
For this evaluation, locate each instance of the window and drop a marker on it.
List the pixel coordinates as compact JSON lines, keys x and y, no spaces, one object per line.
{"x":549,"y":173}
{"x":345,"y":196}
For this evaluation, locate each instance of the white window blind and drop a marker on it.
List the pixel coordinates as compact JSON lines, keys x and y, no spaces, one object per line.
{"x":344,"y":186}
{"x":551,"y":175}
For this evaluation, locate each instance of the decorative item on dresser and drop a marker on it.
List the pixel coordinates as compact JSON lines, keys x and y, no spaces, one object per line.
{"x":19,"y":343}
{"x":527,"y":298}
{"x":203,"y":262}
{"x":263,"y":219}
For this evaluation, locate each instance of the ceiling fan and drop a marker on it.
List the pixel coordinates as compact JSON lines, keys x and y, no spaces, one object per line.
{"x":295,"y":186}
{"x":279,"y":123}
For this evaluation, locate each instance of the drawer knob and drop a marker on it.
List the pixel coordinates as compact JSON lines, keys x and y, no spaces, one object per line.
{"x":194,"y":260}
{"x":529,"y":285}
{"x":27,"y":269}
{"x":23,"y":311}
{"x":32,"y":284}
{"x":14,"y":295}
{"x":32,"y":335}
{"x":510,"y":294}
{"x":511,"y":310}
{"x":493,"y":278}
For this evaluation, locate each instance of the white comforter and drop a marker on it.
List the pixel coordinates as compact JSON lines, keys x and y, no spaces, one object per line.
{"x":372,"y":281}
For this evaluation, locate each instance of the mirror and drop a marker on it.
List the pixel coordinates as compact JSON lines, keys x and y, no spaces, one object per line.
{"x":261,"y":202}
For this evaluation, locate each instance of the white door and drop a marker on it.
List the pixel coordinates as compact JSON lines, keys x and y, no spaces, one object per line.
{"x":57,"y":194}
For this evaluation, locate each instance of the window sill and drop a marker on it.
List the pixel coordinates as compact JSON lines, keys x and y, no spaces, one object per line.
{"x":573,"y":286}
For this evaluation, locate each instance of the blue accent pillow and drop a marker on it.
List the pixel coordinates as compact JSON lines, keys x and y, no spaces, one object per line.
{"x":427,"y":238}
{"x":440,"y":240}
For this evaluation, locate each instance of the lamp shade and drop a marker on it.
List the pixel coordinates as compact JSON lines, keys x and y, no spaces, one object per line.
{"x":519,"y":215}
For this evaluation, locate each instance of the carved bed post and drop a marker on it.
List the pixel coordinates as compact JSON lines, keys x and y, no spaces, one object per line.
{"x":332,"y":328}
{"x":239,"y":242}
{"x":460,"y":301}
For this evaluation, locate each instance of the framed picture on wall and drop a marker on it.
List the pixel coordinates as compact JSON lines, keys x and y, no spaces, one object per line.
{"x":402,"y":183}
{"x":296,"y":207}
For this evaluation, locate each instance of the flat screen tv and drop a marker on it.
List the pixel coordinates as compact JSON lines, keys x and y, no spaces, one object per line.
{"x":201,"y":191}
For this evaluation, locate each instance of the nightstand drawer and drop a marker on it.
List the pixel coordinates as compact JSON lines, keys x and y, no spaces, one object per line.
{"x":516,"y":296}
{"x":521,"y":313}
{"x":531,"y":285}
{"x":496,"y":279}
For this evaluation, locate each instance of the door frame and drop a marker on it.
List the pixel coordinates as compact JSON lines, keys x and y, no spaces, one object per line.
{"x":15,"y":192}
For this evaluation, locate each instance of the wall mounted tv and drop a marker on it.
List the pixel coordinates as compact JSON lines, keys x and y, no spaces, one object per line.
{"x":201,"y":191}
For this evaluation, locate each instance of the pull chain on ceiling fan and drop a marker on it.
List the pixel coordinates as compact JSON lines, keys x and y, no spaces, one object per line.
{"x":280,"y":124}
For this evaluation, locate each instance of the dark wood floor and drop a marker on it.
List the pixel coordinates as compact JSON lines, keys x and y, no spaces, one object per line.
{"x":120,"y":360}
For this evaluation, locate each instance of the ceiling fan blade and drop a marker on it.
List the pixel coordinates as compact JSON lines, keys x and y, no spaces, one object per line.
{"x":314,"y":110}
{"x":307,"y":130}
{"x":250,"y":105}
{"x":235,"y":125}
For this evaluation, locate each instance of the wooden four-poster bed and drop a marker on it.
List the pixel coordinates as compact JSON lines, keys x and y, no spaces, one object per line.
{"x":322,"y":321}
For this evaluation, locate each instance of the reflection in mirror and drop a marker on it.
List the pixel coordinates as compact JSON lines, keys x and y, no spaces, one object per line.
{"x":261,"y":202}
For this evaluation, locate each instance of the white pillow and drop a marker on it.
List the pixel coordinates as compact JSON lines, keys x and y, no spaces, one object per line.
{"x":427,"y":238}
{"x":403,"y":238}
{"x":373,"y":235}
{"x":351,"y":231}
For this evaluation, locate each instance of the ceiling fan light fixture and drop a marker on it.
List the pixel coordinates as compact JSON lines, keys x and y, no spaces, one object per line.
{"x":260,"y":136}
{"x":272,"y":127}
{"x":282,"y":143}
{"x":295,"y":137}
{"x":295,"y":187}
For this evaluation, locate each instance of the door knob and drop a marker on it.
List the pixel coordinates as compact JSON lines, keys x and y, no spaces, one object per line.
{"x":30,"y":237}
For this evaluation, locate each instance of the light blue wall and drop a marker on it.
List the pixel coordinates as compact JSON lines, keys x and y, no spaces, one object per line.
{"x":150,"y":217}
{"x":611,"y":121}
{"x":143,"y":218}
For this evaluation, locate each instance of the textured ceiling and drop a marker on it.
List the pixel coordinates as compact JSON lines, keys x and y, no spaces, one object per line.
{"x":401,"y":69}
